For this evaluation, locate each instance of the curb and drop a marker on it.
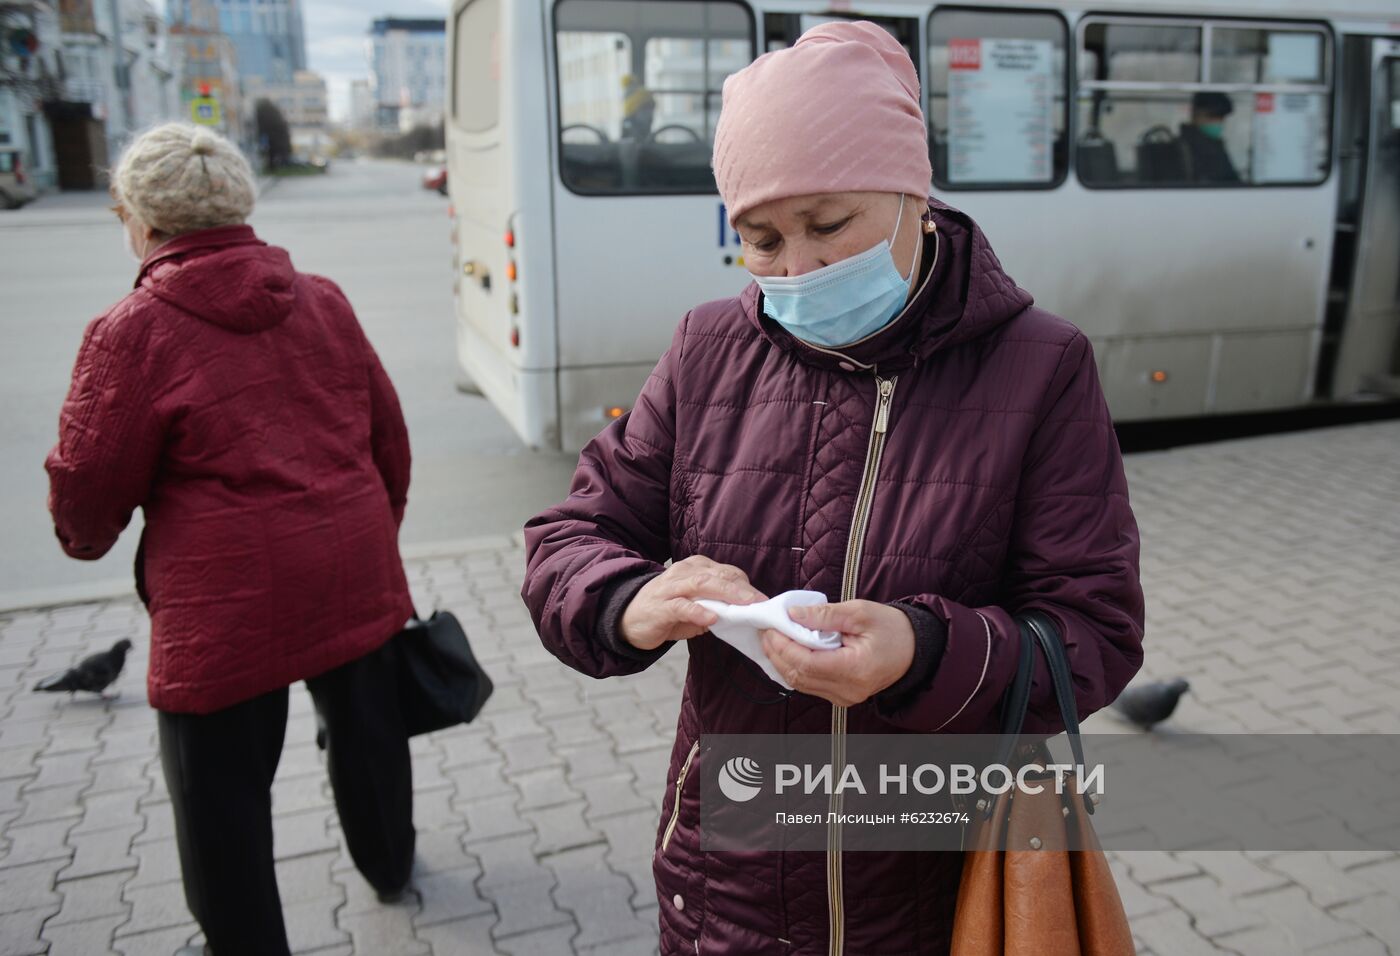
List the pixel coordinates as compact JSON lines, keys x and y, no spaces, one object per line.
{"x":460,"y":546}
{"x":38,"y":599}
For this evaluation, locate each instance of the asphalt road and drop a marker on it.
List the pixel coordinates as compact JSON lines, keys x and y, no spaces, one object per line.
{"x":369,"y":226}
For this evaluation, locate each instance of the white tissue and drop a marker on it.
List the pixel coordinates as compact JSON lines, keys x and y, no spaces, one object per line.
{"x":739,"y":624}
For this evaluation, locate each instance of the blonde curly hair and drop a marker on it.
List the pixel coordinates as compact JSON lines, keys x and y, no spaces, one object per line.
{"x":179,"y":177}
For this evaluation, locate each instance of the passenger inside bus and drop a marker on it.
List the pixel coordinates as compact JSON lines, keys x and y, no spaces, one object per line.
{"x":1203,"y":139}
{"x":638,"y":108}
{"x":1196,"y":153}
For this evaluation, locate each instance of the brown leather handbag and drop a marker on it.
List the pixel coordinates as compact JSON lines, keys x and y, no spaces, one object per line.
{"x":1023,"y":891}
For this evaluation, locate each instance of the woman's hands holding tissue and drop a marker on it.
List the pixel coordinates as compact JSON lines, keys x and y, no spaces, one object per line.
{"x":877,"y":649}
{"x":665,"y":609}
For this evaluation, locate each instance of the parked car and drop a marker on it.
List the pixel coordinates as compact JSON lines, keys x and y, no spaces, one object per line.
{"x":15,"y":187}
{"x":436,"y":178}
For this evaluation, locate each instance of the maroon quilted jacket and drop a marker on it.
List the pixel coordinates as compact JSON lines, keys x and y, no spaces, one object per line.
{"x":997,"y":488}
{"x":239,"y":404}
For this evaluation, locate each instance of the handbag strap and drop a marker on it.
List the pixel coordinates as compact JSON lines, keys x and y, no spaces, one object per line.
{"x":1036,"y":628}
{"x":1058,"y":659}
{"x":1018,"y":697}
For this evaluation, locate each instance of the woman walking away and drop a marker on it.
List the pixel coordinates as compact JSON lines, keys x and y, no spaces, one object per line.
{"x":238,"y":403}
{"x":882,"y":416}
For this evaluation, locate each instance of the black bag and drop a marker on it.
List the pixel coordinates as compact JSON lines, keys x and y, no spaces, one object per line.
{"x":440,"y":682}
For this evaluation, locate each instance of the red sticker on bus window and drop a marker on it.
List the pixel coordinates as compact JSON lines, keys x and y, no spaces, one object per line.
{"x":964,"y":54}
{"x":1263,"y":102}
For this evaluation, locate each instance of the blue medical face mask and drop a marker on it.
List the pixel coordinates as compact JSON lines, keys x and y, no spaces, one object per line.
{"x":1213,"y":130}
{"x":844,"y":302}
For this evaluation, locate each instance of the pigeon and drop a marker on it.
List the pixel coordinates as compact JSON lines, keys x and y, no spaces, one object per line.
{"x":94,"y":673}
{"x":1151,"y":703}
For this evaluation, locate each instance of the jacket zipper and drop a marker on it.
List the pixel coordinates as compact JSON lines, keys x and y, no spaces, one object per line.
{"x":676,"y":806}
{"x":860,"y":521}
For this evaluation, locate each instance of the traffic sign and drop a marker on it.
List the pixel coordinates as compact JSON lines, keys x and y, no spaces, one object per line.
{"x":205,"y":110}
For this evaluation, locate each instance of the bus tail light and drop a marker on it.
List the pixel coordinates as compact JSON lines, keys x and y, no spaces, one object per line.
{"x":613,"y":413}
{"x":514,"y":304}
{"x":511,"y":271}
{"x":1159,"y":376}
{"x":515,"y":336}
{"x":510,"y":238}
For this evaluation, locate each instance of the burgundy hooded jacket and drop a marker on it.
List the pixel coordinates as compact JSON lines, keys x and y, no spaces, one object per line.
{"x":961,"y":464}
{"x":239,"y":404}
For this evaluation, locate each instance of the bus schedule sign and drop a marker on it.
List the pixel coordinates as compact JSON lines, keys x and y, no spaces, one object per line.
{"x":999,"y":110}
{"x":1288,"y":137}
{"x":204,"y":110}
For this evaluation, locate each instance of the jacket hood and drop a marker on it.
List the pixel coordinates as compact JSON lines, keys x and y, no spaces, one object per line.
{"x":226,"y":276}
{"x":966,"y":295}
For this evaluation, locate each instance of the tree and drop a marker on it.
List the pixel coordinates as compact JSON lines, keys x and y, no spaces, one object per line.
{"x":406,"y":145}
{"x":423,"y":137}
{"x":274,"y":137}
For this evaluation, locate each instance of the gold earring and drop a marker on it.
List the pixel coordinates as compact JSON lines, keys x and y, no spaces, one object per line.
{"x":930,"y":227}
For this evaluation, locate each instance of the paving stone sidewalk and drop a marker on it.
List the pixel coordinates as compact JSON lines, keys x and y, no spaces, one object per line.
{"x":1271,"y":572}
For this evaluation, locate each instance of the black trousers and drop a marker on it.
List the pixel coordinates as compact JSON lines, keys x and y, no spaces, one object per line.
{"x":219,"y":769}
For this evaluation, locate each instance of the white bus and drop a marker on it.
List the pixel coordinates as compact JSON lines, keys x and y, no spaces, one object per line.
{"x":1211,"y":191}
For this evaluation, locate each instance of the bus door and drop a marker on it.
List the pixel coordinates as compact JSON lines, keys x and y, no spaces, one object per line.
{"x":1361,"y":337}
{"x":640,"y":233}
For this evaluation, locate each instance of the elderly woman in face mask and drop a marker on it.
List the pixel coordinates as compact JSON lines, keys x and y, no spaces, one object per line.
{"x":882,"y":416}
{"x":237,"y":402}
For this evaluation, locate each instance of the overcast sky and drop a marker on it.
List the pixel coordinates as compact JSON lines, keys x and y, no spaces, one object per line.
{"x":335,"y":38}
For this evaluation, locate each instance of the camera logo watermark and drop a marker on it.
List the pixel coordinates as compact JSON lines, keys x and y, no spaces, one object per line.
{"x":1275,"y":792}
{"x":740,"y":779}
{"x":929,"y":779}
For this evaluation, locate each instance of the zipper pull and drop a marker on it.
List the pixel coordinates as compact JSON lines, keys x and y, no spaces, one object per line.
{"x":882,"y":412}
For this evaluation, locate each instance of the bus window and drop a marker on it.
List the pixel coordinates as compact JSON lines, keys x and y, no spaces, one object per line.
{"x":1266,"y":56}
{"x":1176,"y":105}
{"x":476,"y":84}
{"x":1151,"y":53}
{"x":997,"y":103}
{"x":639,"y":91}
{"x":781,"y":30}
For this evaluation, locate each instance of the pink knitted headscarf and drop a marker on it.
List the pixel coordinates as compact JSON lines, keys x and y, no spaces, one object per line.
{"x":838,"y":111}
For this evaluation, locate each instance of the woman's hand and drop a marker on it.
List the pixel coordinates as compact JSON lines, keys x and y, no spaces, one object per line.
{"x":665,"y":609}
{"x":877,"y":650}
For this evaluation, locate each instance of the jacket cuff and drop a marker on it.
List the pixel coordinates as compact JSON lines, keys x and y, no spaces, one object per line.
{"x":617,"y":594}
{"x":930,"y":640}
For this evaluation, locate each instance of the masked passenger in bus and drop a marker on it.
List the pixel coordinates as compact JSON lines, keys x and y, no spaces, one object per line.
{"x":1204,"y":140}
{"x":882,"y":417}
